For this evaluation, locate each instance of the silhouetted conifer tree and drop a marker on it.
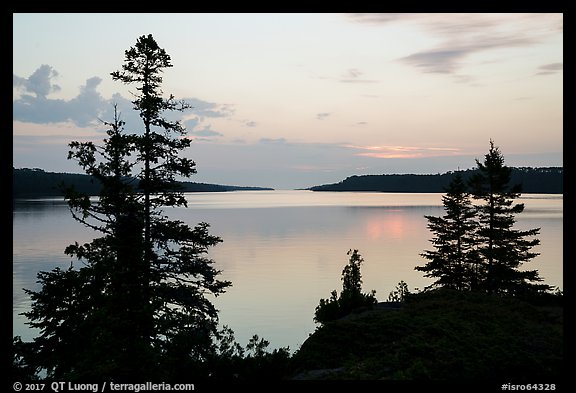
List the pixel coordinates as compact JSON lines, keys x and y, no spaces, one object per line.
{"x":503,"y":249}
{"x":136,"y":308}
{"x":454,"y":262}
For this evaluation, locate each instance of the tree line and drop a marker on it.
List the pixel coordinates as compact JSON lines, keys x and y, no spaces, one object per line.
{"x":35,"y":182}
{"x":543,"y":180}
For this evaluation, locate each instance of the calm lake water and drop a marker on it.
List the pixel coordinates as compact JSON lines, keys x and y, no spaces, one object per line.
{"x":284,"y":250}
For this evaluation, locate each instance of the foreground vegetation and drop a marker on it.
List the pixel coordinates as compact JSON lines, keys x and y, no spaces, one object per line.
{"x":441,"y":334}
{"x":484,"y":318}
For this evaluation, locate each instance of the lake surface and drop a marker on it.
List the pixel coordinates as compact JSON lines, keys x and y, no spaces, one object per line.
{"x":285,"y":250}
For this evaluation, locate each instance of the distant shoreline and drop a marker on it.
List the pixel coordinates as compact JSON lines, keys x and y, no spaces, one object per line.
{"x":36,"y":183}
{"x":545,"y":180}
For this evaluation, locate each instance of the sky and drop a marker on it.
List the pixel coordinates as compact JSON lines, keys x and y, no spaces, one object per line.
{"x":293,"y":100}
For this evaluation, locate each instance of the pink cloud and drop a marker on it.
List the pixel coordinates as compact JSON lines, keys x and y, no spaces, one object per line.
{"x":402,"y":151}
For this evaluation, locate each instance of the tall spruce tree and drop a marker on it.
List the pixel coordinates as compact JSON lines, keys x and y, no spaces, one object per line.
{"x":455,"y":262}
{"x":137,"y":307}
{"x":179,"y":273}
{"x":502,"y":247}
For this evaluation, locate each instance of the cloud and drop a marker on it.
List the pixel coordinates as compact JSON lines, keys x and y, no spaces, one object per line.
{"x":376,"y":18}
{"x":465,"y":25}
{"x":447,"y":59}
{"x":402,"y":151}
{"x":206,"y":132}
{"x":250,"y":123}
{"x":441,"y":61}
{"x":33,"y":105}
{"x":549,"y":69}
{"x":323,"y":115}
{"x":352,"y":75}
{"x":359,"y":81}
{"x":437,"y":23}
{"x":462,"y":35}
{"x":39,"y":83}
{"x":273,"y":140}
{"x":83,"y":110}
{"x":195,"y":128}
{"x":204,"y":109}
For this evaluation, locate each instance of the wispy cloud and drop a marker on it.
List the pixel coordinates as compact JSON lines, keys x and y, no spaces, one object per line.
{"x":462,"y":35}
{"x":353,"y":75}
{"x":388,"y":151}
{"x":195,"y":128}
{"x":273,"y":140}
{"x":447,"y":59}
{"x":322,"y":116}
{"x":441,"y":61}
{"x":204,"y":109}
{"x":549,"y":69}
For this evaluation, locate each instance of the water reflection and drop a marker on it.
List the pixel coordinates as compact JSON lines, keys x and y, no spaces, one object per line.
{"x":284,"y":250}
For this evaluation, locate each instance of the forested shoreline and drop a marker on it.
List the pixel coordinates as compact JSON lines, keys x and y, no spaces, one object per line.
{"x":33,"y":183}
{"x":543,"y":180}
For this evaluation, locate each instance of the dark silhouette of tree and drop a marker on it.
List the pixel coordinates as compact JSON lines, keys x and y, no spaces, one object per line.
{"x":477,"y":246}
{"x":351,"y":297}
{"x":400,"y":293}
{"x":157,"y":149}
{"x":179,"y":274}
{"x":503,"y":249}
{"x":455,"y":262}
{"x":136,"y":309}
